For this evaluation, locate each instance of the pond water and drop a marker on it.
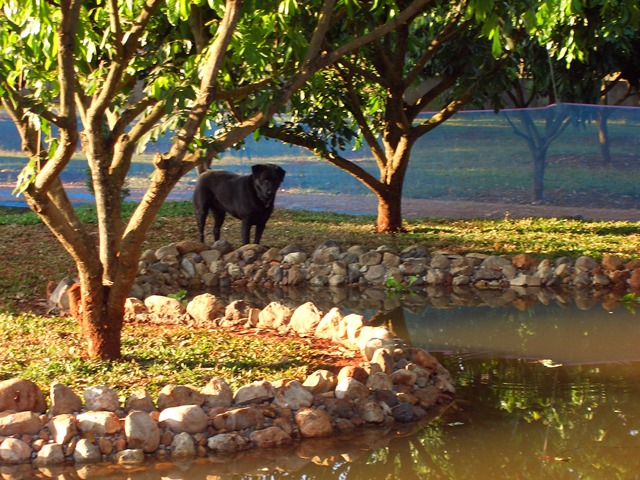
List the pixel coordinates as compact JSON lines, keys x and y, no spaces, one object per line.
{"x":549,"y":391}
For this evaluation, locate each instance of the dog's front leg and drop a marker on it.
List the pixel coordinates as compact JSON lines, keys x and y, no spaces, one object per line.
{"x":259,"y":230}
{"x":246,"y":231}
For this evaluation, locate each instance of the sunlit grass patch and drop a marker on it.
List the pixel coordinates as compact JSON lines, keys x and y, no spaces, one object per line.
{"x":49,"y":349}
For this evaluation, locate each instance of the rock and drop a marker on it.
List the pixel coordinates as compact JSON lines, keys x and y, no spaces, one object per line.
{"x":101,"y":398}
{"x":428,"y":396}
{"x":86,"y":452}
{"x":523,"y":280}
{"x":314,"y":423}
{"x":63,"y":428}
{"x":305,"y":318}
{"x":59,"y":298}
{"x":403,"y":413}
{"x":321,"y":381}
{"x":255,"y":392}
{"x":354,"y":324}
{"x":14,"y":451}
{"x":185,"y":418}
{"x":494,"y":262}
{"x":351,"y":371}
{"x":375,"y":274}
{"x":63,"y":400}
{"x":185,"y":247}
{"x":238,"y":419}
{"x":20,"y":423}
{"x":210,"y":256}
{"x":205,"y":308}
{"x":634,"y":280}
{"x":130,"y":456}
{"x":177,"y":395}
{"x":373,"y":338}
{"x":585,"y":264}
{"x":384,"y":359}
{"x":134,"y":306}
{"x":228,"y":443}
{"x":370,"y":258}
{"x":140,"y":400}
{"x":523,"y":261}
{"x":270,"y":437}
{"x":21,"y":395}
{"x":329,"y":325}
{"x":274,"y":316}
{"x":440,"y":262}
{"x":379,"y":381}
{"x":404,"y":377}
{"x":294,"y":258}
{"x":167,"y":251}
{"x":293,"y":395}
{"x":370,"y":411}
{"x":217,"y":393}
{"x":50,"y":454}
{"x":99,"y":423}
{"x":236,"y":311}
{"x":183,"y":446}
{"x":164,"y":306}
{"x":142,"y":431}
{"x":423,"y":358}
{"x":352,"y":389}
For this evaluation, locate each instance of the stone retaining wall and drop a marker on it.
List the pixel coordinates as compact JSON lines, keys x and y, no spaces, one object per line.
{"x":197,"y":267}
{"x":394,"y":385}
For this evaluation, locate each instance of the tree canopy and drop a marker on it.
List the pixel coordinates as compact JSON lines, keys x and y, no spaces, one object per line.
{"x":109,"y":75}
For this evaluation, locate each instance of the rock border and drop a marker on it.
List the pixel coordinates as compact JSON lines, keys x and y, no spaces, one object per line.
{"x":197,"y":267}
{"x":394,"y":385}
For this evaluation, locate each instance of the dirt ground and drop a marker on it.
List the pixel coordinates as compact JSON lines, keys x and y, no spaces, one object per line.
{"x":418,"y":208}
{"x":411,"y":208}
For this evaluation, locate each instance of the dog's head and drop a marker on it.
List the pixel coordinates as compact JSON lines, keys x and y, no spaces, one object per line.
{"x":267,"y":178}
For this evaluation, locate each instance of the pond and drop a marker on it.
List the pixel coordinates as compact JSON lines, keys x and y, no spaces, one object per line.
{"x":548,"y":391}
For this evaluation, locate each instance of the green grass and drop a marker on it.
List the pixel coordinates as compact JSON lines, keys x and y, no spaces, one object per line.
{"x":48,"y":349}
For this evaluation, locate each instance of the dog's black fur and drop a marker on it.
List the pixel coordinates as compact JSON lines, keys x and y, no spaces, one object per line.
{"x":248,"y":197}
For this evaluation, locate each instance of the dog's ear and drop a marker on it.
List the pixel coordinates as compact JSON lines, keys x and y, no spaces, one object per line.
{"x":280,"y":172}
{"x":256,"y":169}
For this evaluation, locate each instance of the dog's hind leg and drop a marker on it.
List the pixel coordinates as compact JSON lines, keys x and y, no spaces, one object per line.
{"x":201,"y":219}
{"x":218,"y":220}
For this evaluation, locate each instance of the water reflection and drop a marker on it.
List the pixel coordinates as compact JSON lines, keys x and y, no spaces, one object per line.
{"x":550,"y":391}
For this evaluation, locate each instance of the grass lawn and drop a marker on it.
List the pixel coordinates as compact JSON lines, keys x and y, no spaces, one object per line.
{"x":44,"y":348}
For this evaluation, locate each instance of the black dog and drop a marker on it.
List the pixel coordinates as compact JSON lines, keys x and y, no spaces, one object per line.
{"x":248,"y":197}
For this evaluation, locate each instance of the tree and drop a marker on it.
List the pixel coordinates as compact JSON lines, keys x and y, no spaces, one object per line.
{"x":577,"y":47}
{"x":131,"y":70}
{"x":444,"y":58}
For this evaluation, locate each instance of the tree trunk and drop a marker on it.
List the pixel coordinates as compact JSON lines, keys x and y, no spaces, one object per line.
{"x":389,"y":210}
{"x":604,"y":138}
{"x":539,"y":164}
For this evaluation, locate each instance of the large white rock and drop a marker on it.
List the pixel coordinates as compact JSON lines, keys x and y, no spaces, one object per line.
{"x":14,"y":451}
{"x":293,"y":395}
{"x":142,"y":431}
{"x":185,"y":418}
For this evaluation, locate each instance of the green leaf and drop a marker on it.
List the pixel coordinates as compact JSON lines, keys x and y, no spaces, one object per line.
{"x":26,"y":177}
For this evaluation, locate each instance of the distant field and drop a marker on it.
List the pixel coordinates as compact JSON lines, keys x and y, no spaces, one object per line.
{"x":473,"y":156}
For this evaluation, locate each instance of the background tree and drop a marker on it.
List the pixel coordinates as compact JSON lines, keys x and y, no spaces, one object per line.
{"x":131,"y":70}
{"x":578,"y":48}
{"x":443,"y":59}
